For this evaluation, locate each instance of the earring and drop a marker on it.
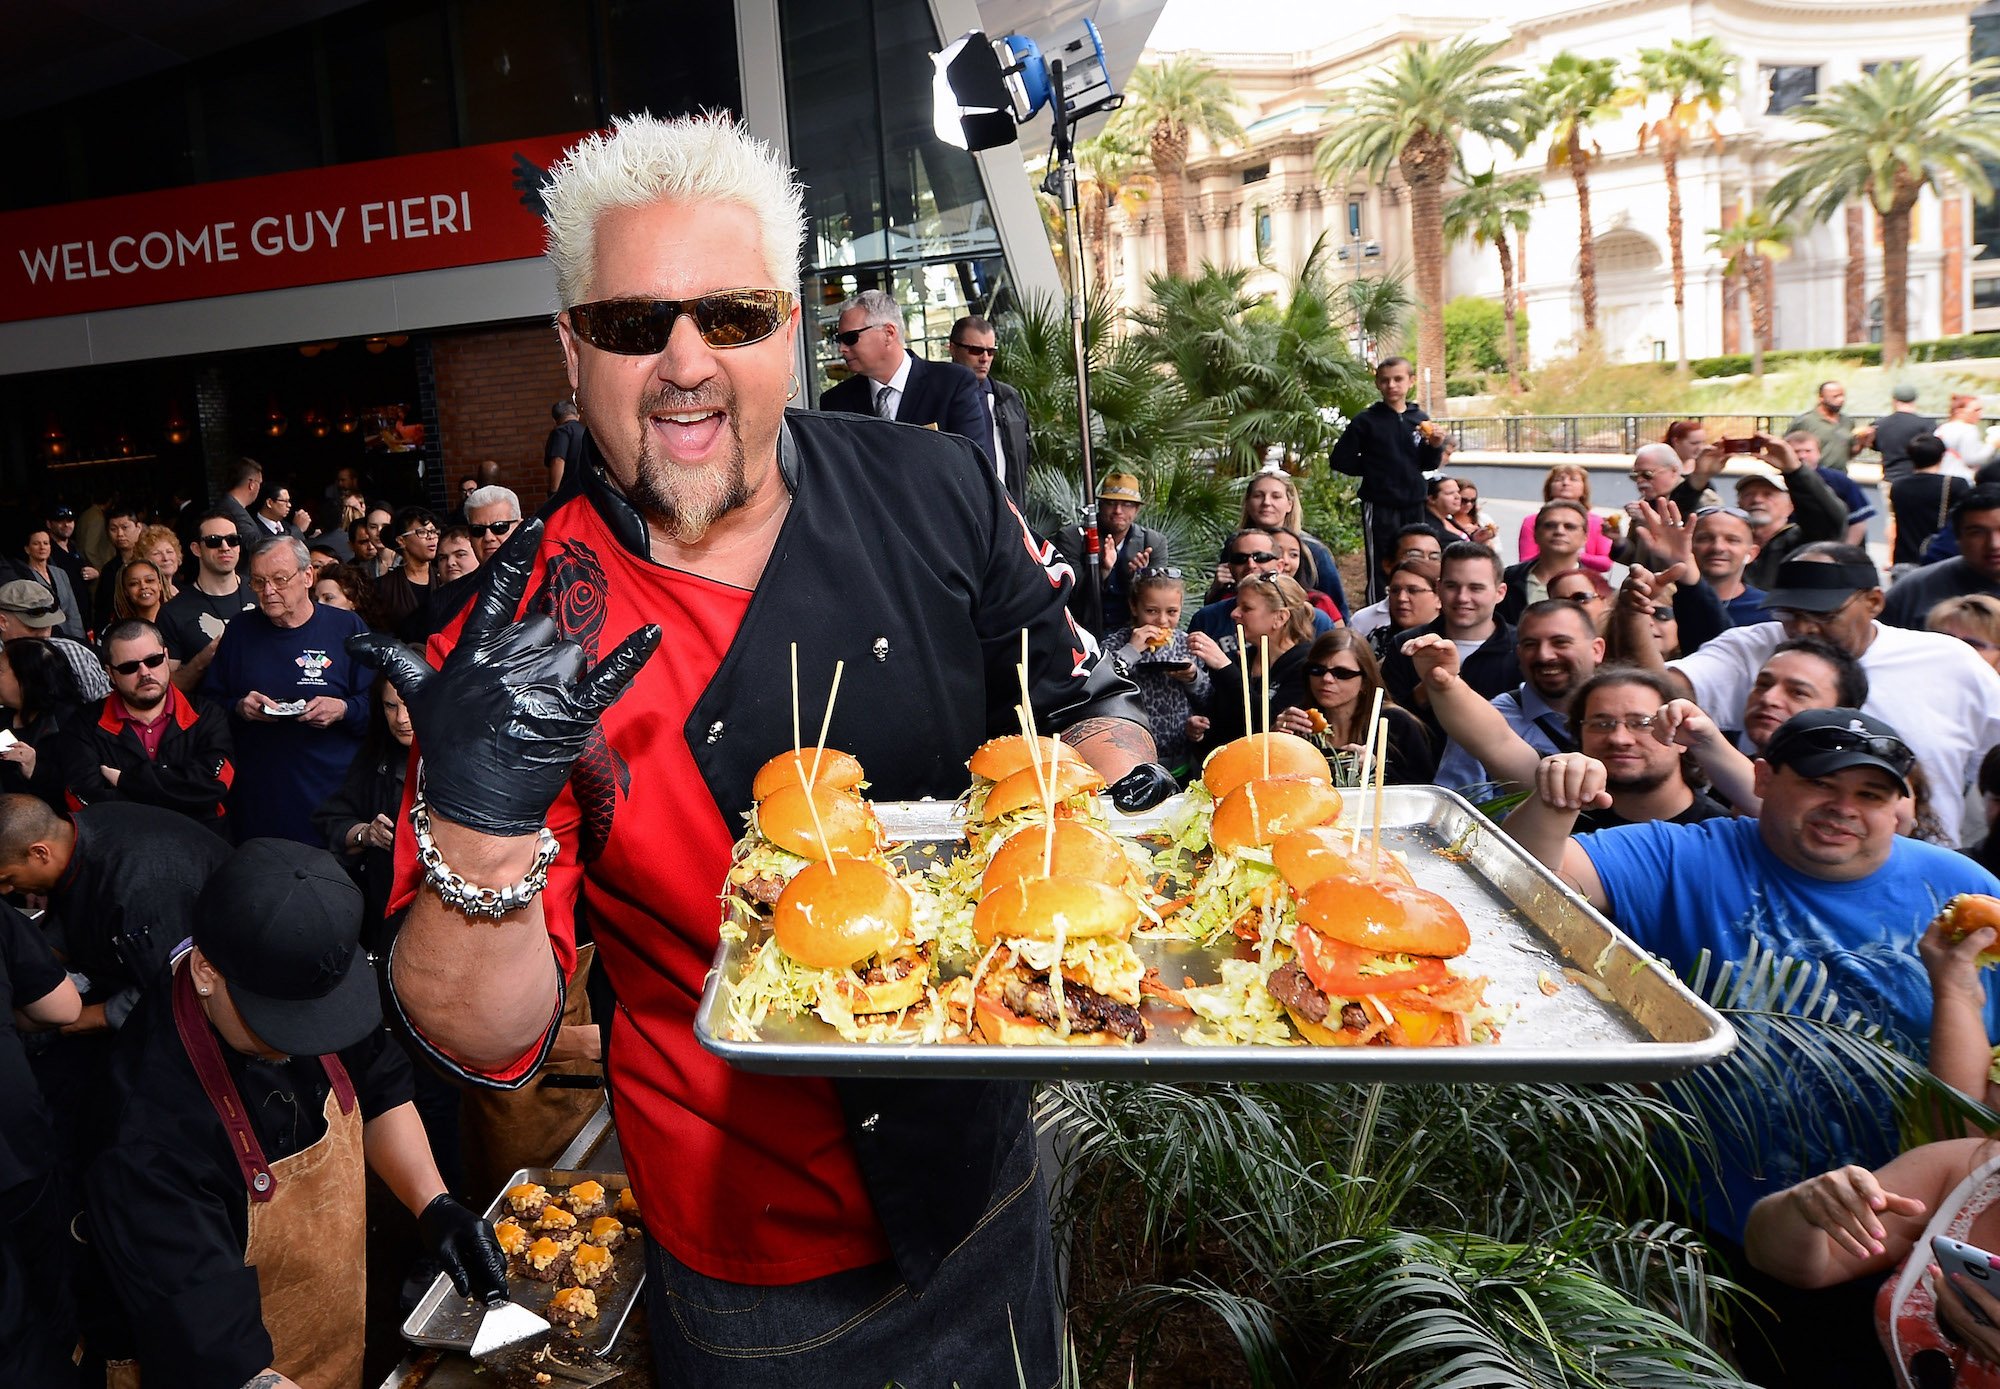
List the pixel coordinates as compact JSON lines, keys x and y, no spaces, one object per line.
{"x":793,"y":393}
{"x":202,"y":992}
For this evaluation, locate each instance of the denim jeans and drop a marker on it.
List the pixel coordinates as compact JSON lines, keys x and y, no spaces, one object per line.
{"x":994,"y":1297}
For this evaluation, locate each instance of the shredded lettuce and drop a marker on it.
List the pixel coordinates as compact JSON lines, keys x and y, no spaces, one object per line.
{"x":1102,"y":963}
{"x":1187,"y":826}
{"x":1239,"y":1009}
{"x":1226,"y":891}
{"x":1084,"y":806}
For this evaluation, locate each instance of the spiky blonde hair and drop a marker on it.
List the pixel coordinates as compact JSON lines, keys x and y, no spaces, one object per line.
{"x":644,"y":160}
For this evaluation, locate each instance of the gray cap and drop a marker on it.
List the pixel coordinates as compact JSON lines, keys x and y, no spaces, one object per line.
{"x":29,"y":602}
{"x":1906,"y":394}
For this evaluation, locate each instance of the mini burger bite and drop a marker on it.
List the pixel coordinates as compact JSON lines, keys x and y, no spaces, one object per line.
{"x":1078,"y":851}
{"x":1241,"y":889}
{"x":1232,"y":764}
{"x":1370,"y":968}
{"x":1000,"y":758}
{"x":1969,"y":912}
{"x":1308,"y":856}
{"x":1058,"y":968}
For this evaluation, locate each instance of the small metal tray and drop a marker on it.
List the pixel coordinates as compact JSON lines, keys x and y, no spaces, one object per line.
{"x":1526,"y":929}
{"x":445,"y":1320}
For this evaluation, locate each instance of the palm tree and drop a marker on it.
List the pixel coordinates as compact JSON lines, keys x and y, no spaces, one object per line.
{"x":1571,"y":95}
{"x":1752,"y":245}
{"x":1695,"y":77}
{"x":1108,"y":176}
{"x":1410,"y":116}
{"x":1485,"y":210}
{"x":1886,"y":136}
{"x":1165,"y":104}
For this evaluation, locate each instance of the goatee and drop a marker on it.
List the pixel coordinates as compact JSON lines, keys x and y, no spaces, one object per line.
{"x":682,"y":499}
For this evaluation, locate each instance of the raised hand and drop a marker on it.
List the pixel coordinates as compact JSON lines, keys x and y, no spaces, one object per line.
{"x":1847,"y":1205}
{"x":1668,"y":533}
{"x":1435,"y":657}
{"x":1681,"y":723}
{"x":1572,"y":781}
{"x":501,"y":723}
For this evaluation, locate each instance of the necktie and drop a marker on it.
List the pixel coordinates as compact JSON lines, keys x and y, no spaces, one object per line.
{"x":885,"y":402}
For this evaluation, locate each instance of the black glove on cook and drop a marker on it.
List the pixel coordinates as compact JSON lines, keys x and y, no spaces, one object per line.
{"x":465,"y":1245}
{"x":504,"y":720}
{"x":1142,"y":788}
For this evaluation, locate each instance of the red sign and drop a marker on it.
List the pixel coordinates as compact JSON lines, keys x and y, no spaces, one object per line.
{"x":312,"y":226}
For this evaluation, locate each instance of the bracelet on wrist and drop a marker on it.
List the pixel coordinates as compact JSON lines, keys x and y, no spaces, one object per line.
{"x":466,"y":898}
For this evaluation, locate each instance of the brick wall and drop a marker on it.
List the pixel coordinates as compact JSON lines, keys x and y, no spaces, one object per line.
{"x":494,"y":390}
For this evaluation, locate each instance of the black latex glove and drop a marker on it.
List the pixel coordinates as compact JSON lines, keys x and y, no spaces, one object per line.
{"x":502,"y":723}
{"x":1142,"y":788}
{"x":465,"y":1245}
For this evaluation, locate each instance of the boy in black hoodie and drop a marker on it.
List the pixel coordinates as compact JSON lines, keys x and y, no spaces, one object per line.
{"x":1384,"y":447}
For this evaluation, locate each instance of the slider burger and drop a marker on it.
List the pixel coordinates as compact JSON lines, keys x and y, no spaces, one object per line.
{"x":1234,"y":763}
{"x":1969,"y":912}
{"x":1079,"y":851}
{"x":1370,"y":969}
{"x":781,"y":838}
{"x":1016,"y":800}
{"x":837,"y":769}
{"x":845,"y":945}
{"x":1241,"y":889}
{"x":1000,"y":758}
{"x":1305,"y":857}
{"x":1058,"y":968}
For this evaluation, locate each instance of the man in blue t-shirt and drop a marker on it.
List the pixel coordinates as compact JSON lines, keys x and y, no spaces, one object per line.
{"x":1820,"y":876}
{"x":298,"y":703}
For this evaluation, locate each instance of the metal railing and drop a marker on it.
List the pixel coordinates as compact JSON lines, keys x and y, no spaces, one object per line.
{"x":1594,"y":433}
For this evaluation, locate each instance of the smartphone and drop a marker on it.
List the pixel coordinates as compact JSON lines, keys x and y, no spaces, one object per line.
{"x":1954,"y":1256}
{"x":1730,"y":446}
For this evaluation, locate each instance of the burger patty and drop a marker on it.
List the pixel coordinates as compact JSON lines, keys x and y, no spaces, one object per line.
{"x":1290,"y":986}
{"x":1088,"y":1010}
{"x":763,"y":888}
{"x":900,"y":965}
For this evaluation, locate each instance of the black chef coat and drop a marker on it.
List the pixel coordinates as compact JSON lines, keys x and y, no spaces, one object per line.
{"x":167,"y":1213}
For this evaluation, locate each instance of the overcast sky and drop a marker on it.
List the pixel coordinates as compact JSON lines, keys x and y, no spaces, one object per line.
{"x":1286,"y":26}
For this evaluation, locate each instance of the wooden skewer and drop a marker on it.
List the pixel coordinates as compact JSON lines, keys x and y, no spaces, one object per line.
{"x":1043,"y":787}
{"x":1367,"y":768}
{"x":812,"y":809}
{"x":795,"y":699}
{"x":826,"y":719}
{"x":1243,"y":668}
{"x":1264,"y":673}
{"x":1381,"y":778}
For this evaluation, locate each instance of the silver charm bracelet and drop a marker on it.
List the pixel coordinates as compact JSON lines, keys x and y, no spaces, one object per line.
{"x":461,"y":896}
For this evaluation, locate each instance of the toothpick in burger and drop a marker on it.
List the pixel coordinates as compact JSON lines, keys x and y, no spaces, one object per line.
{"x":780,"y":837}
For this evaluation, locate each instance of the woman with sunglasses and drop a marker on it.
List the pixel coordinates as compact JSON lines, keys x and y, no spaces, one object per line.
{"x":1441,"y":510}
{"x":1341,"y":678}
{"x":141,"y":592}
{"x":1570,"y":482}
{"x":37,"y":563}
{"x":1589,"y":590}
{"x":1276,"y":619}
{"x":40,"y":691}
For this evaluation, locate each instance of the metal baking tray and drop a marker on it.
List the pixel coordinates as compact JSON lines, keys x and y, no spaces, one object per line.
{"x":1526,"y":927}
{"x":445,"y":1320}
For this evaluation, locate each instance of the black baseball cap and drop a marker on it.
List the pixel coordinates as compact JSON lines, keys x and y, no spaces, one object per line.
{"x":1816,"y":586}
{"x":1819,"y":741}
{"x":281,"y":922}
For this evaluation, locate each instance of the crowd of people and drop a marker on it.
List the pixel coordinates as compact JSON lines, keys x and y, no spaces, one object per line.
{"x":1717,"y":723}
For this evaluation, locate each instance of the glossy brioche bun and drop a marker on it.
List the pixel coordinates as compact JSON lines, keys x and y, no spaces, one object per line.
{"x":1081,"y":851}
{"x":1388,"y":918}
{"x":1308,"y":856}
{"x":1002,"y":757}
{"x":1002,"y":1026}
{"x":1258,"y":812}
{"x":1969,"y":912}
{"x":1021,"y":790}
{"x":833,"y":915}
{"x":837,"y":769}
{"x":850,"y":825}
{"x":1232,"y":764}
{"x":1027,"y":909}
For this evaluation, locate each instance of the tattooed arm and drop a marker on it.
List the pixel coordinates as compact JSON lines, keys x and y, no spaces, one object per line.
{"x":268,"y":1379}
{"x":1113,"y":746}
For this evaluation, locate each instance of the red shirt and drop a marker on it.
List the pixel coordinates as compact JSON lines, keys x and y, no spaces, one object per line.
{"x":742,"y":1177}
{"x":150,"y":735}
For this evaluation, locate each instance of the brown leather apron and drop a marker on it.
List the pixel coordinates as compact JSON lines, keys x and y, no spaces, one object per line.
{"x":308,"y":1217}
{"x":502,"y":1131}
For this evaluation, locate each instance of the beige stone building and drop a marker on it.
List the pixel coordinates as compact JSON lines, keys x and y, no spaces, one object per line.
{"x":1261,"y":204}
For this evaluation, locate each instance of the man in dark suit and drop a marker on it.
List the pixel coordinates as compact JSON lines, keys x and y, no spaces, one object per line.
{"x":974,"y":346}
{"x":891,"y":381}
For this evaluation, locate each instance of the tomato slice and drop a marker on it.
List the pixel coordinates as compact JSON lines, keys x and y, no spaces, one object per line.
{"x":1335,"y":968}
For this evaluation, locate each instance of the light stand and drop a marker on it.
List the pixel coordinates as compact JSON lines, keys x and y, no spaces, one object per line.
{"x":1063,"y":177}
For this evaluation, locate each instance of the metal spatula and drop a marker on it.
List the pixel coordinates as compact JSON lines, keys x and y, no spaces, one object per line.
{"x":505,"y":1324}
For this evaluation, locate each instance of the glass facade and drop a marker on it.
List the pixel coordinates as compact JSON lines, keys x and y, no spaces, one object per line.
{"x":888,"y":205}
{"x":380,"y":79}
